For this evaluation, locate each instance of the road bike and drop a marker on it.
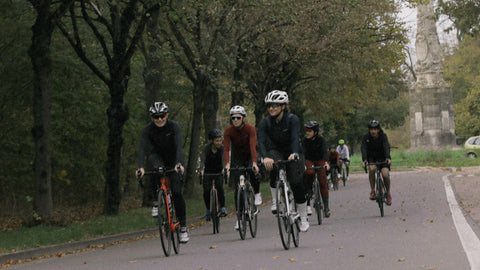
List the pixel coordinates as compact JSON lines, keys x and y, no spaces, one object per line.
{"x":287,"y":216}
{"x":334,"y":175}
{"x":343,"y":168}
{"x":316,"y":195}
{"x":168,"y":223}
{"x":380,"y":190}
{"x":246,"y":209}
{"x":215,"y":213}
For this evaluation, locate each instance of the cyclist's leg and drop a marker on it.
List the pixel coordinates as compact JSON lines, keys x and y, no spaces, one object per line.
{"x":207,"y":186}
{"x":220,"y":191}
{"x":155,"y":162}
{"x":295,"y":176}
{"x":347,"y":167}
{"x":275,"y":155}
{"x":176,"y":184}
{"x":371,"y":179}
{"x":386,"y":179}
{"x":322,"y":179}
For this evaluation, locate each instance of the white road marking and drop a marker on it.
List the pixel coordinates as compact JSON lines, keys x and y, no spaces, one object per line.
{"x":470,"y":241}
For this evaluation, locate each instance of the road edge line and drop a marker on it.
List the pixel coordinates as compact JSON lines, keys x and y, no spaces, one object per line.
{"x":468,"y":238}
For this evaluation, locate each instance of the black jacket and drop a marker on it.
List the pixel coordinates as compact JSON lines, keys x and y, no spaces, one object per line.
{"x":375,"y":150}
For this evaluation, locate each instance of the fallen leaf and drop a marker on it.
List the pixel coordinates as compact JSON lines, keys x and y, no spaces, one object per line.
{"x":276,"y":257}
{"x":401,"y":260}
{"x":292,"y":260}
{"x":318,"y":250}
{"x":333,"y":235}
{"x":361,"y":256}
{"x":340,"y":248}
{"x":130,"y":261}
{"x":213,"y":247}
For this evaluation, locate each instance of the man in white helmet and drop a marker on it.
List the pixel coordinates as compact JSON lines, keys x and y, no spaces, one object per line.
{"x":282,"y":131}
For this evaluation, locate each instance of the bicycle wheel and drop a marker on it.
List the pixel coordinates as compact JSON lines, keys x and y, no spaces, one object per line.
{"x":380,"y":195}
{"x":252,"y":212}
{"x":163,"y":224}
{"x":343,"y":175}
{"x":295,"y":229}
{"x":175,"y":233}
{"x":241,"y":216}
{"x":282,"y":215}
{"x":317,"y":203}
{"x":335,"y":180}
{"x":214,"y":211}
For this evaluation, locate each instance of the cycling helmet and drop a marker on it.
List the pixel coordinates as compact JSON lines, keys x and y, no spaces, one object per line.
{"x":238,"y":109}
{"x":341,"y":142}
{"x":374,"y":124}
{"x":158,"y":107}
{"x":332,"y":147}
{"x":313,"y":125}
{"x":277,"y":96}
{"x":214,"y":133}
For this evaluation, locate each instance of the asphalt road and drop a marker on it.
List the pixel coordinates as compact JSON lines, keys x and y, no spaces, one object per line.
{"x":417,"y":232}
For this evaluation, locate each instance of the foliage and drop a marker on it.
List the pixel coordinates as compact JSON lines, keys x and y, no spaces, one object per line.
{"x":465,"y":15}
{"x":461,"y":72}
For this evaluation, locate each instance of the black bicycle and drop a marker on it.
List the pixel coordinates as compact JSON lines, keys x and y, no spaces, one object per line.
{"x":333,"y":175}
{"x":316,"y":195}
{"x":342,"y":169}
{"x":287,"y":216}
{"x":380,"y":189}
{"x":215,"y":213}
{"x":246,"y":209}
{"x":168,"y":223}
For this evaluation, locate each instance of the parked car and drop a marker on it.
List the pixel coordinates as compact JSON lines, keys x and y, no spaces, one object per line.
{"x":472,"y":147}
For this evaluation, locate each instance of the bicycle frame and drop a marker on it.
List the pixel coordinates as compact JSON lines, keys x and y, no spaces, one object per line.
{"x":380,"y":188}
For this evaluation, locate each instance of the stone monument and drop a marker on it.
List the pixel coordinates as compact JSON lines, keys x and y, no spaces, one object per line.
{"x":431,"y":101}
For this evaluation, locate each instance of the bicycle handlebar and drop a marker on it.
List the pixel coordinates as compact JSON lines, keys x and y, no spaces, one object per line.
{"x":374,"y":163}
{"x":214,"y":174}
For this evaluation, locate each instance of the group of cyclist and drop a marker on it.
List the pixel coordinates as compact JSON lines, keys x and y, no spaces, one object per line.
{"x":239,"y":145}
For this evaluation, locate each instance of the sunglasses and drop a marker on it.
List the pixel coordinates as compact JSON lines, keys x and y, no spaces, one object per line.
{"x":159,"y":116}
{"x":273,"y":105}
{"x":236,"y":118}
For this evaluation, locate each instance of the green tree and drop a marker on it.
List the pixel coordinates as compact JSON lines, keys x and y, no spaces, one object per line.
{"x":117,"y":28}
{"x":465,"y":15}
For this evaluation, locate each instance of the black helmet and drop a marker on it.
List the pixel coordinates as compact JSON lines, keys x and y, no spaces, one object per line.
{"x":313,"y":125}
{"x":374,"y":124}
{"x":214,"y":133}
{"x":331,"y":147}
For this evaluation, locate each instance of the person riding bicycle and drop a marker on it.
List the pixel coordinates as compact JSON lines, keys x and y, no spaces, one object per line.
{"x":165,"y":138}
{"x":333,"y":160}
{"x":240,"y":142}
{"x":212,"y":162}
{"x":315,"y":150}
{"x":282,"y":131}
{"x":342,"y":150}
{"x":376,"y":148}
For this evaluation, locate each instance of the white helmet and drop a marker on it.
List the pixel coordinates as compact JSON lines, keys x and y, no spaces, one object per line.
{"x":238,"y":109}
{"x":158,"y":107}
{"x":277,"y":96}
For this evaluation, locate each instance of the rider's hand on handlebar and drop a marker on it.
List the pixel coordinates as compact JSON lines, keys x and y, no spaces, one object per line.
{"x":268,"y":162}
{"x":140,"y":173}
{"x":293,"y":156}
{"x":255,"y":168}
{"x":179,"y":168}
{"x":389,"y":161}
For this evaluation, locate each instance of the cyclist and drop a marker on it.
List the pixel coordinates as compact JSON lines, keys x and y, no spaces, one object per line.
{"x":282,"y":130}
{"x":165,"y":138}
{"x":212,"y":162}
{"x":315,"y":149}
{"x":333,"y":160}
{"x":342,"y":150}
{"x":376,"y":148}
{"x":240,"y":138}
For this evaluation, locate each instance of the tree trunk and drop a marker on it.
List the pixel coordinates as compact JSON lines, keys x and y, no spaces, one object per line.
{"x":117,"y":114}
{"x":210,"y":109}
{"x":42,"y":66}
{"x":194,"y":143}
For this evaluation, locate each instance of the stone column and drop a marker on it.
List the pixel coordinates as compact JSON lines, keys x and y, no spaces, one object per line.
{"x":431,"y":102}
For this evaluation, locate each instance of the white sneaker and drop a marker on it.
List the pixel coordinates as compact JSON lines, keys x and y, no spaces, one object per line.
{"x":348,"y":178}
{"x":274,"y":208}
{"x":258,"y":199}
{"x":184,"y":235}
{"x":304,"y":224}
{"x":339,"y":176}
{"x":309,"y":210}
{"x":155,"y":211}
{"x":237,"y":225}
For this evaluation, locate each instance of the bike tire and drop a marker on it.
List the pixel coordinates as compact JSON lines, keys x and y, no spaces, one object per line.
{"x":214,"y":211}
{"x":380,"y":196}
{"x":317,"y":203}
{"x":343,"y":175}
{"x":163,"y":224}
{"x":175,"y":234}
{"x":252,"y":213}
{"x":335,"y":180}
{"x":295,"y":229}
{"x":282,"y":215}
{"x":241,"y":217}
